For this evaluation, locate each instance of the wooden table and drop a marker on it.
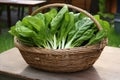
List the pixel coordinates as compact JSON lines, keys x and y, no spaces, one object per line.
{"x":107,"y":67}
{"x":29,"y":3}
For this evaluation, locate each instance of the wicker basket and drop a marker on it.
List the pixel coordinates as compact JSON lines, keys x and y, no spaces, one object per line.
{"x":62,"y":60}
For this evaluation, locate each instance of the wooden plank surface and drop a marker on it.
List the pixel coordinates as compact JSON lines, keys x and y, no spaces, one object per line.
{"x":22,"y":2}
{"x":105,"y":68}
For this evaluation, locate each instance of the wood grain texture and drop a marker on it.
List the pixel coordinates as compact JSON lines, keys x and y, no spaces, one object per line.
{"x":106,"y":67}
{"x":84,"y":4}
{"x":21,"y":2}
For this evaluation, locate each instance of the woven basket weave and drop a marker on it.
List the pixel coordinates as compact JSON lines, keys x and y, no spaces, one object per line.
{"x":62,"y":60}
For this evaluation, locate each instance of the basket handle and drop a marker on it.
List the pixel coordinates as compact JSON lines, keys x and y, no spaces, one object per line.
{"x":70,"y":6}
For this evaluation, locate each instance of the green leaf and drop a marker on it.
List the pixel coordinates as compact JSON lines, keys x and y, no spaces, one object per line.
{"x":86,"y":36}
{"x":49,"y":16}
{"x":80,"y":27}
{"x":40,"y":16}
{"x":97,"y":38}
{"x":83,"y":22}
{"x":37,"y":23}
{"x":56,"y":21}
{"x":25,"y":22}
{"x":23,"y":31}
{"x":104,"y":24}
{"x":66,"y":27}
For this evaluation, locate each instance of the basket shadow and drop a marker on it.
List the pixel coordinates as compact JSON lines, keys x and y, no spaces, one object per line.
{"x":35,"y":74}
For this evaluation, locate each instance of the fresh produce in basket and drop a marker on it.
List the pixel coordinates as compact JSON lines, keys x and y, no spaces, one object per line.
{"x":59,"y":29}
{"x":60,"y":40}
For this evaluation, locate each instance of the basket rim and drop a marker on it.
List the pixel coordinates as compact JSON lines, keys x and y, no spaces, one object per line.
{"x":96,"y":47}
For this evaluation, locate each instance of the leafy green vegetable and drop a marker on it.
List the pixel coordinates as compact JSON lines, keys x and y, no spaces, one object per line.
{"x":59,"y":30}
{"x":22,"y":30}
{"x":67,"y":26}
{"x":80,"y":27}
{"x":96,"y":38}
{"x":105,"y":25}
{"x":26,"y":23}
{"x":49,"y":16}
{"x":55,"y":21}
{"x":86,"y":36}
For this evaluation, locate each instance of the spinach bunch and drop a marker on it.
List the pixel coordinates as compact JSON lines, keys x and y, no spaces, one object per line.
{"x":59,"y":29}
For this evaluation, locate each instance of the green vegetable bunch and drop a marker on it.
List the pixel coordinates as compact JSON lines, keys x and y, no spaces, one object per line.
{"x":59,"y":30}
